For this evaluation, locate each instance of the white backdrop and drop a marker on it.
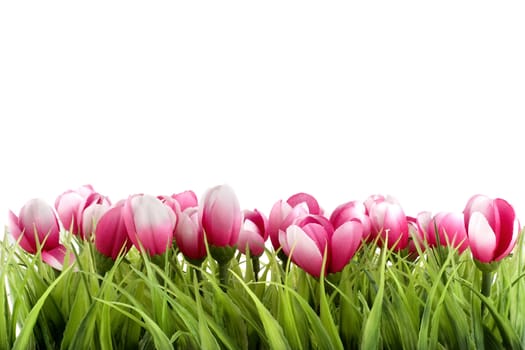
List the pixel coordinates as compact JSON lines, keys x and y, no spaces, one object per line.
{"x":420,"y":101}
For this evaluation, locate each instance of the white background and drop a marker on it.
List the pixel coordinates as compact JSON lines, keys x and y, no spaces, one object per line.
{"x":421,"y":101}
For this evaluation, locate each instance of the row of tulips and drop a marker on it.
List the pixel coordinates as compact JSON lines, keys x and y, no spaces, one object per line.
{"x":296,"y":227}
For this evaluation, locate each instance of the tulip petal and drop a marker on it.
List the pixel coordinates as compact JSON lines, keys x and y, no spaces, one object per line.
{"x":345,"y":242}
{"x":506,"y":233}
{"x":304,"y":251}
{"x":55,"y":257}
{"x":311,"y":202}
{"x":482,"y":239}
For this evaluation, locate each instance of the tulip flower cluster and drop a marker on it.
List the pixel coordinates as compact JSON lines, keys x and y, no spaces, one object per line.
{"x":297,"y":227}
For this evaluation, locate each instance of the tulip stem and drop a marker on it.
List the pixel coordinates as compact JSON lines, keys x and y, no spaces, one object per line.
{"x":224,"y":274}
{"x":256,"y":267}
{"x":486,"y":283}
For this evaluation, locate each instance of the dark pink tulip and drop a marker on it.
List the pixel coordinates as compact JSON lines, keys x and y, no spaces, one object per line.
{"x":389,"y":222}
{"x":71,"y":204}
{"x":492,"y":228}
{"x":253,"y":232}
{"x":351,"y":211}
{"x":450,"y":231}
{"x":345,"y":241}
{"x":417,"y":229}
{"x":150,"y":223}
{"x":111,"y":235}
{"x":189,"y":235}
{"x":306,"y":241}
{"x":220,"y":216}
{"x":283,"y":213}
{"x":37,"y":225}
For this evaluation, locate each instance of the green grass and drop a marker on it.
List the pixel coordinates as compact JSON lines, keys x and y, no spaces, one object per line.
{"x":381,"y":300}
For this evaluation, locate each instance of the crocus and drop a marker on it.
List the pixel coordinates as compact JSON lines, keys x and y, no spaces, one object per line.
{"x":37,"y":226}
{"x":189,"y":235}
{"x":220,"y":216}
{"x":450,"y":231}
{"x":150,"y":223}
{"x":388,"y":221}
{"x":492,"y":228}
{"x":71,"y":204}
{"x":253,"y":234}
{"x":111,"y":235}
{"x":283,"y":213}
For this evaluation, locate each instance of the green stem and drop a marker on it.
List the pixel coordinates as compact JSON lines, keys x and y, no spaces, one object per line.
{"x":256,"y":267}
{"x":486,"y":282}
{"x":224,"y":274}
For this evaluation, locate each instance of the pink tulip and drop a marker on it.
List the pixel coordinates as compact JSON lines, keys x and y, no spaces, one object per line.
{"x":253,"y":232}
{"x":417,"y":229}
{"x":283,"y":213}
{"x":450,"y":231}
{"x":186,"y":199}
{"x":90,"y":218}
{"x":389,"y":222}
{"x":71,"y":204}
{"x":351,"y":211}
{"x":492,"y":228}
{"x":150,"y":223}
{"x":220,"y":216}
{"x":37,"y":226}
{"x":189,"y":235}
{"x":310,"y":237}
{"x":111,"y":235}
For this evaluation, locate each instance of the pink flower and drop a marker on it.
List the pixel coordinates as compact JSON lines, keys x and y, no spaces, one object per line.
{"x":71,"y":204}
{"x":111,"y":235}
{"x":354,"y":210}
{"x":37,"y":226}
{"x":189,"y":234}
{"x":388,"y":221}
{"x":150,"y":223}
{"x":492,"y":228}
{"x":310,"y":237}
{"x":90,"y":218}
{"x":220,"y":216}
{"x":253,"y":232}
{"x":186,"y":199}
{"x":451,"y":231}
{"x":283,"y":213}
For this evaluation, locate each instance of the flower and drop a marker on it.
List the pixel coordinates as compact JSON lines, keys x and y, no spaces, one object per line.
{"x":388,"y":221}
{"x":149,"y":222}
{"x":37,"y":227}
{"x":308,"y":239}
{"x":354,"y":210}
{"x":450,"y":231}
{"x":220,"y":216}
{"x":111,"y":235}
{"x":492,"y":228}
{"x":189,"y":235}
{"x":283,"y":213}
{"x":71,"y":204}
{"x":253,"y":234}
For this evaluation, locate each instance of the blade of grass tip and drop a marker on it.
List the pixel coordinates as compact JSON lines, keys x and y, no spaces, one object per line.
{"x":24,"y":338}
{"x":325,"y":314}
{"x":274,"y":333}
{"x":371,"y":332}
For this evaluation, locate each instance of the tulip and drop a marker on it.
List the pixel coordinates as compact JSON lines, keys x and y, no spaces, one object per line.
{"x":36,"y":228}
{"x":492,"y":228}
{"x":450,"y":231}
{"x":351,"y":211}
{"x":111,"y":235}
{"x":388,"y":221}
{"x":90,"y":218}
{"x":186,"y":199}
{"x":189,"y":235}
{"x":220,"y":216}
{"x":71,"y":204}
{"x":283,"y":213}
{"x":253,"y":233}
{"x":311,"y":237}
{"x":150,"y":223}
